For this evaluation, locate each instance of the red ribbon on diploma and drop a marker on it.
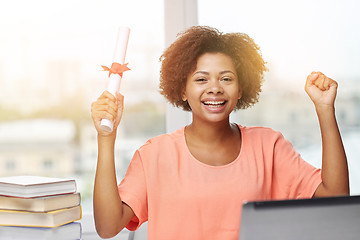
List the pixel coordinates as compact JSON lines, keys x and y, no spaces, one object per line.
{"x":116,"y":68}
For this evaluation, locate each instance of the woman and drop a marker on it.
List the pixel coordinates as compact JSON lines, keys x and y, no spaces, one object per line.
{"x":190,"y":184}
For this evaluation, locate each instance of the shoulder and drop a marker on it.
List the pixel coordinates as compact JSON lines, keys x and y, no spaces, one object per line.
{"x":260,"y":132}
{"x":262,"y":138}
{"x":161,"y":152}
{"x":164,"y":142}
{"x":268,"y":143}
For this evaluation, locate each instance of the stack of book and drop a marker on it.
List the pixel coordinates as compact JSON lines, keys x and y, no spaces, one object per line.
{"x":38,"y":202}
{"x":70,"y":231}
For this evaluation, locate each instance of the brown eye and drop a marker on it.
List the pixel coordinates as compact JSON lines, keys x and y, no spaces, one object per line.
{"x":226,"y":79}
{"x":200,"y":80}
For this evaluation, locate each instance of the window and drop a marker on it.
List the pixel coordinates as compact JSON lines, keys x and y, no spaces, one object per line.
{"x":50,"y":72}
{"x":296,"y":38}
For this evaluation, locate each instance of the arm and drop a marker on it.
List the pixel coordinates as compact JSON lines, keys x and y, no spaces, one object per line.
{"x":110,"y":213}
{"x":335,"y":177}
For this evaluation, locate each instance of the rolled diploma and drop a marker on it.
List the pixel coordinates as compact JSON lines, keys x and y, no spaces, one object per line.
{"x":115,"y":79}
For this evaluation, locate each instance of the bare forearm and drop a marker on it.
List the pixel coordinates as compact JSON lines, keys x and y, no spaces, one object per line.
{"x":107,"y":202}
{"x":110,"y":214}
{"x":334,"y":164}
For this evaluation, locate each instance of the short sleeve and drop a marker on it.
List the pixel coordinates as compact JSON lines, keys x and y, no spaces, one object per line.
{"x":133,"y":192}
{"x":293,"y":178}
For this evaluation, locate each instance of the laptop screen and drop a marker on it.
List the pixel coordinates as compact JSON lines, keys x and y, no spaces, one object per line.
{"x":305,"y":219}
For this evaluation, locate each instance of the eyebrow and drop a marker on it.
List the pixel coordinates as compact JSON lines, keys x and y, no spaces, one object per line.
{"x":207,"y":73}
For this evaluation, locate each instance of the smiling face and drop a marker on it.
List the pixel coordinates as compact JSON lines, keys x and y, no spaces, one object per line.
{"x":212,"y":90}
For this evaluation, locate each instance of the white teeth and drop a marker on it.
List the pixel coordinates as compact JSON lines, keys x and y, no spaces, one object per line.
{"x":214,"y":102}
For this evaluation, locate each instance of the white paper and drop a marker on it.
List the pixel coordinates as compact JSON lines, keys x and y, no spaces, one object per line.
{"x":115,"y":79}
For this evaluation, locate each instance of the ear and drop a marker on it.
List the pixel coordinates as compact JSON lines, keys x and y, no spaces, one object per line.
{"x":183,"y":96}
{"x":240,"y":93}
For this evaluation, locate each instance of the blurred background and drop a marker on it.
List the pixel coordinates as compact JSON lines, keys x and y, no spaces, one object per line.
{"x":50,"y":73}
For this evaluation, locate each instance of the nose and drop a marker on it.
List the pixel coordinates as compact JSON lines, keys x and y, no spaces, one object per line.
{"x":215,"y":87}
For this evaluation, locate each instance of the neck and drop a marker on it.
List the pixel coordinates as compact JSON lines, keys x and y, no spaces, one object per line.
{"x":211,"y":132}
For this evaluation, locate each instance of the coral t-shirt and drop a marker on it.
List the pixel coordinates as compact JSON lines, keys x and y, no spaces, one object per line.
{"x":183,"y":198}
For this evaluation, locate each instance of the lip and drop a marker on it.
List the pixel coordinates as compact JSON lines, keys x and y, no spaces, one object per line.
{"x":213,"y":99}
{"x":214,"y":108}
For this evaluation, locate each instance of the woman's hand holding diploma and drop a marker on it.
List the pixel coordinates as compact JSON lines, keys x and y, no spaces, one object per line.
{"x":108,"y":107}
{"x":110,"y":214}
{"x":335,"y":177}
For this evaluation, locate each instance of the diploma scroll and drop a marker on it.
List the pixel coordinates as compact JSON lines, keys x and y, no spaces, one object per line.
{"x":118,"y":62}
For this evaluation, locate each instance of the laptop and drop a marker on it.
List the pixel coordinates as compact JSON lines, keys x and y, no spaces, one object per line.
{"x":333,"y":218}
